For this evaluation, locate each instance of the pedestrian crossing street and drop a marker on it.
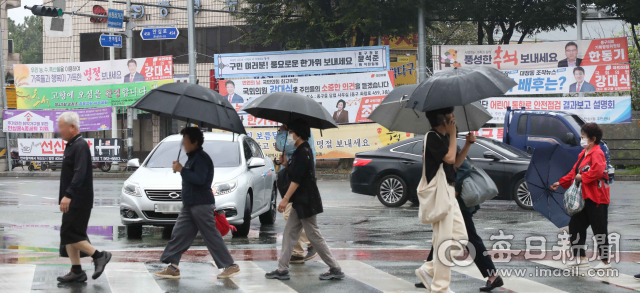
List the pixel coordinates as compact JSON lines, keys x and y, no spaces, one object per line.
{"x":362,"y":276}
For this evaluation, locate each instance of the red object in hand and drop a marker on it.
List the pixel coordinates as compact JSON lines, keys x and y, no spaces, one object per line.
{"x":222,"y":224}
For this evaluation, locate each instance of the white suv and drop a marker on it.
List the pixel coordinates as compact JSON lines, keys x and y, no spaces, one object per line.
{"x":243,"y":184}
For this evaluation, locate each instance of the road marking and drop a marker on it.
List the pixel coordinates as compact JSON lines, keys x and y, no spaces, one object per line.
{"x":516,"y":284}
{"x":251,"y":280}
{"x":126,"y":277}
{"x":374,"y":277}
{"x":49,"y":198}
{"x":624,"y":281}
{"x":28,"y":194}
{"x":16,"y":278}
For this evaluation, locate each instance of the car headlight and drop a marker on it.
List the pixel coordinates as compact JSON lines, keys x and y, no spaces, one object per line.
{"x":226,"y":187}
{"x":132,"y":189}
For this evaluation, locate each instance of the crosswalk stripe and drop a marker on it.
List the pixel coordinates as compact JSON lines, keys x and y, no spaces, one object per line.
{"x":16,"y":278}
{"x":625,"y":281}
{"x":251,"y":279}
{"x":127,"y":277}
{"x":375,"y":278}
{"x":513,"y":283}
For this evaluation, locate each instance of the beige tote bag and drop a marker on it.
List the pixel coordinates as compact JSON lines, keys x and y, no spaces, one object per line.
{"x":434,"y":197}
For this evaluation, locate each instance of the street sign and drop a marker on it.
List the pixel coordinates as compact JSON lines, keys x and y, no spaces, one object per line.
{"x":115,"y":18}
{"x":111,"y":41}
{"x":161,"y":33}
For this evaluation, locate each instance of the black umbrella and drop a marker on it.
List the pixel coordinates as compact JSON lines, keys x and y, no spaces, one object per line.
{"x":191,"y":102}
{"x":459,"y":87}
{"x":287,"y":107}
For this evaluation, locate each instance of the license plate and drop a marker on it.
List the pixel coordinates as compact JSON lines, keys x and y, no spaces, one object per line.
{"x":168,"y":208}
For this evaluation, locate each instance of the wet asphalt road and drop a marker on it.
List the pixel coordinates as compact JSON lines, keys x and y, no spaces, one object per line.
{"x":29,"y":217}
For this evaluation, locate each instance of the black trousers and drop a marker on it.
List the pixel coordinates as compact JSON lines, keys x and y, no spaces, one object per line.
{"x":596,"y":216}
{"x":482,"y":261}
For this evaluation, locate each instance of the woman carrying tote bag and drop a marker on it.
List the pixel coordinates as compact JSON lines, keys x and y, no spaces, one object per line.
{"x":436,"y":194}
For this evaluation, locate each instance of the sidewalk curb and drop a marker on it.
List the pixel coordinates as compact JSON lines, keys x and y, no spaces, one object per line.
{"x":125,"y":175}
{"x":627,"y":178}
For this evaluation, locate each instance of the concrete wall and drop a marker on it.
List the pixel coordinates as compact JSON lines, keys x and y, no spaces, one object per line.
{"x":624,"y":141}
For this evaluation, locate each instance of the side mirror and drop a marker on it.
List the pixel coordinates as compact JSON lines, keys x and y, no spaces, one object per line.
{"x":490,"y":155}
{"x":135,"y":163}
{"x":256,"y":162}
{"x":571,"y":139}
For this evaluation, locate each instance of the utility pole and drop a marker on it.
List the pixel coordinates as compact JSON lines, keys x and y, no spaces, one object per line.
{"x":3,"y":92}
{"x":192,"y":42}
{"x":579,"y":18}
{"x":129,"y":43}
{"x":114,"y":110}
{"x":422,"y":44}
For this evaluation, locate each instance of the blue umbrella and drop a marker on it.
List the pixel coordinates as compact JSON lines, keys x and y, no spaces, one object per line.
{"x":548,"y":165}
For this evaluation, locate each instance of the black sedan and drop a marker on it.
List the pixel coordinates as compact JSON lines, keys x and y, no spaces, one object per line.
{"x":392,"y":173}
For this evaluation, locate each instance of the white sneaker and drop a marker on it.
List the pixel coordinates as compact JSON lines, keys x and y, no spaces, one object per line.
{"x":426,"y":279}
{"x":578,"y":263}
{"x":603,"y":266}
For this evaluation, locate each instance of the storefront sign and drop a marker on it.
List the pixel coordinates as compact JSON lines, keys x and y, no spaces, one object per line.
{"x":354,"y":59}
{"x":533,"y":56}
{"x":93,"y":73}
{"x":52,"y":149}
{"x":592,"y":109}
{"x":82,"y":97}
{"x":342,"y":142}
{"x":405,"y":69}
{"x":350,"y":98}
{"x":47,"y":121}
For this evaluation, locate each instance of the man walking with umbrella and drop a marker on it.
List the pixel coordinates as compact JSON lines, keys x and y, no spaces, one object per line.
{"x":197,"y":211}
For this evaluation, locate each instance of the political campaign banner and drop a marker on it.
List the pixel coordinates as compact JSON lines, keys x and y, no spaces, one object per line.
{"x":335,"y":143}
{"x":350,"y":98}
{"x":337,"y":60}
{"x":52,"y":149}
{"x":395,"y":43}
{"x":405,"y":69}
{"x":41,"y":121}
{"x":581,"y":79}
{"x":93,"y":73}
{"x":592,"y":109}
{"x":533,"y":56}
{"x":81,"y":97}
{"x":496,"y":133}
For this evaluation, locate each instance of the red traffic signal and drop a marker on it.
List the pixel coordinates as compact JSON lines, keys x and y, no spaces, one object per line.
{"x":46,"y":11}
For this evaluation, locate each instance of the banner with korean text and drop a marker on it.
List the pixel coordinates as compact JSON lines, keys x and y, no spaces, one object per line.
{"x":342,"y":142}
{"x":405,"y":69}
{"x":41,"y":121}
{"x":337,"y":60}
{"x":52,"y":149}
{"x":592,"y":109}
{"x":533,"y":56}
{"x":350,"y":98}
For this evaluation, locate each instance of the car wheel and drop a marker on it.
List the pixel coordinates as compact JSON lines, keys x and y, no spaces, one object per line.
{"x":243,"y":230}
{"x":522,"y":196}
{"x":269,"y":218}
{"x":134,"y":231}
{"x":105,"y":167}
{"x":392,"y":191}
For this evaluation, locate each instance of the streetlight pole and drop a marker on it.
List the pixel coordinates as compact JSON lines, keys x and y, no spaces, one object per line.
{"x":579,"y":18}
{"x":129,"y":43}
{"x":191,"y":32}
{"x":3,"y":93}
{"x":422,"y":53}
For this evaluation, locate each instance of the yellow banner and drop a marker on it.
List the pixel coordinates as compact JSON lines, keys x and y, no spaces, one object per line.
{"x":405,"y":69}
{"x":395,"y":43}
{"x":342,"y":142}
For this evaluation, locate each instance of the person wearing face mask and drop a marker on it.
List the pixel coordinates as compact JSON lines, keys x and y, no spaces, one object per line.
{"x":590,"y":173}
{"x":284,"y":142}
{"x":304,"y":195}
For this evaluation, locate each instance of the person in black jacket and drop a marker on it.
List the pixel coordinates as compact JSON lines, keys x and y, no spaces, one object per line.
{"x":303,"y":193}
{"x":76,"y":200}
{"x":197,"y":211}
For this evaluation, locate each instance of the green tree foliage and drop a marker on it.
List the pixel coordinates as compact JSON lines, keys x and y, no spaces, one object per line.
{"x":27,"y":38}
{"x":302,"y":24}
{"x":628,"y":10}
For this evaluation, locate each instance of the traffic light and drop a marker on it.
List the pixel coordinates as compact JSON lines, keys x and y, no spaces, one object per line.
{"x":46,"y":11}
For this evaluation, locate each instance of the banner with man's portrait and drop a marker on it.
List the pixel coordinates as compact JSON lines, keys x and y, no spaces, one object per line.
{"x":533,"y":56}
{"x":350,"y":98}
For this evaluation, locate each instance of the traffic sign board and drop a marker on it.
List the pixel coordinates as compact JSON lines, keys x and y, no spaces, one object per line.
{"x":111,"y":41}
{"x":161,"y":33}
{"x":115,"y":18}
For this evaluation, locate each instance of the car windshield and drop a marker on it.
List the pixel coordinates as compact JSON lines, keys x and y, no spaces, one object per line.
{"x":505,"y":149}
{"x":223,"y":154}
{"x":575,"y":121}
